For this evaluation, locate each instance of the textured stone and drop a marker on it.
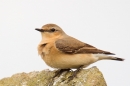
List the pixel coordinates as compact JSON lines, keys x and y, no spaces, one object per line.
{"x":86,"y":77}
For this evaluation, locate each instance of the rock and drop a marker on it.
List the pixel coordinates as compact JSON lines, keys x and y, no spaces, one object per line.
{"x":86,"y":77}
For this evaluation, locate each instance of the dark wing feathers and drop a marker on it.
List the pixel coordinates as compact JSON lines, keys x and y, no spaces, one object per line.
{"x":94,"y":51}
{"x":73,"y":46}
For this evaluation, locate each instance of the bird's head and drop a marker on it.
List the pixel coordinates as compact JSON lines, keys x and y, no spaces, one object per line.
{"x":49,"y":31}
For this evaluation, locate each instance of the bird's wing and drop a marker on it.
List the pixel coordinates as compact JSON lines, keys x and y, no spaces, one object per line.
{"x":73,"y":46}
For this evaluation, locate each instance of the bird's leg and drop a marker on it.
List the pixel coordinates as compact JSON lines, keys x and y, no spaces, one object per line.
{"x":75,"y":73}
{"x":59,"y":72}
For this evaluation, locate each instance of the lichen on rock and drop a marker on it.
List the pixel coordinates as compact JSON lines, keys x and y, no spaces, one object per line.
{"x":86,"y":77}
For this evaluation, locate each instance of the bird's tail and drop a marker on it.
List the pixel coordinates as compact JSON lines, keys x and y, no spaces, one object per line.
{"x":107,"y":57}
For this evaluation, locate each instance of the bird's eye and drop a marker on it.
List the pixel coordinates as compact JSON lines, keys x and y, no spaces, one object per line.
{"x":53,"y":30}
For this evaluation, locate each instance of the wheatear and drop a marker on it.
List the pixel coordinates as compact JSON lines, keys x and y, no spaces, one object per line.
{"x":61,"y":51}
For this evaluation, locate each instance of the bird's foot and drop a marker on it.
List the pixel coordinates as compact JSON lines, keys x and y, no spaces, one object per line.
{"x":74,"y":74}
{"x":59,"y":72}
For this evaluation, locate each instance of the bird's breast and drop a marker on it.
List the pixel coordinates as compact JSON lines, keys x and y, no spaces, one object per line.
{"x":58,"y":59}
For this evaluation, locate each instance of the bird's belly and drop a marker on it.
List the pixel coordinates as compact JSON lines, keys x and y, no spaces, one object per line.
{"x":65,"y":61}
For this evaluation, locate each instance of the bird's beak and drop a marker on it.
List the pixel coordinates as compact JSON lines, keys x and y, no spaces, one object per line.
{"x":41,"y":30}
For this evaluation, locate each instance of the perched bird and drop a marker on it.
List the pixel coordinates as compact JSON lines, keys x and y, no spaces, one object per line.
{"x":62,"y":51}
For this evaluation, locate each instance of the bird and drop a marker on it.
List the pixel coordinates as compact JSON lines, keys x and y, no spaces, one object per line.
{"x":61,"y":51}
